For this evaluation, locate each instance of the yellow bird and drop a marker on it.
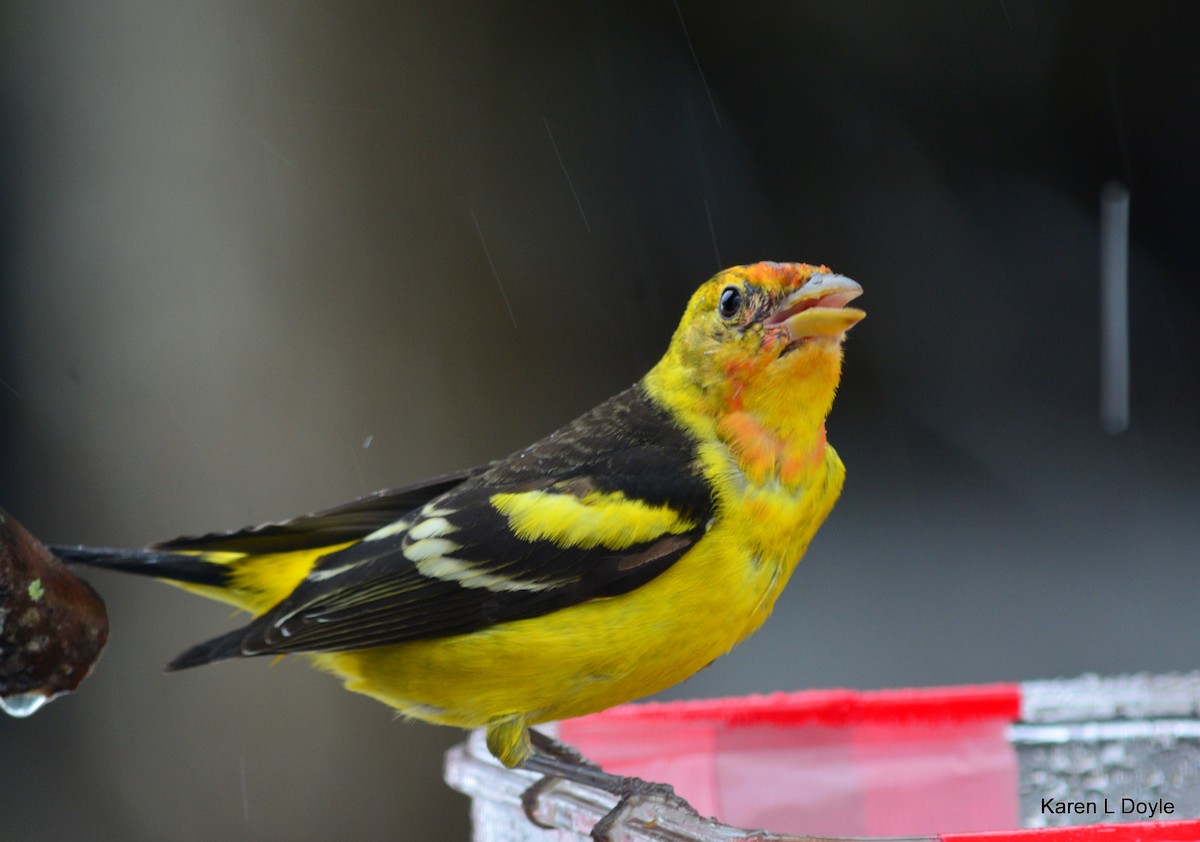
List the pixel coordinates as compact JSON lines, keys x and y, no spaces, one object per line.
{"x":612,"y":559}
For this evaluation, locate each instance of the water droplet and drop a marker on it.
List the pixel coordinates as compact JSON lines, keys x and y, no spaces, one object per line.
{"x":23,"y":704}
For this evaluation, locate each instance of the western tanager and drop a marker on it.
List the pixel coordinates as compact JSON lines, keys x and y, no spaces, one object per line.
{"x":610,"y":560}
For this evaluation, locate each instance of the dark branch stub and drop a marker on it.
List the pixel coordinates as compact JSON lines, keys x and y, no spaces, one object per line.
{"x":53,"y":626}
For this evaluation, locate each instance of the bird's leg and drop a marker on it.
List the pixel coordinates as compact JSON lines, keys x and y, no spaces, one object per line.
{"x":557,"y":760}
{"x":550,"y":747}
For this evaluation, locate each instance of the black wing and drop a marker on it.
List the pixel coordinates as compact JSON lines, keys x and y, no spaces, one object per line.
{"x":457,"y":564}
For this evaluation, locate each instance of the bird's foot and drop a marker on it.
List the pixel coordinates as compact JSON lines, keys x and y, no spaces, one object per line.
{"x":558,"y":761}
{"x":636,"y":794}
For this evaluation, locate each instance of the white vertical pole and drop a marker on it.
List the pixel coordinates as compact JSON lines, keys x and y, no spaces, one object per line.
{"x":1114,"y":307}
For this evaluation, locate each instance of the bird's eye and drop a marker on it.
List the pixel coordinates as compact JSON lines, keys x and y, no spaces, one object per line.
{"x":731,"y":302}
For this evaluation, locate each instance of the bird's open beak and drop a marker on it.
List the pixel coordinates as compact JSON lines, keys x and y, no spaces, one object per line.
{"x":818,"y":308}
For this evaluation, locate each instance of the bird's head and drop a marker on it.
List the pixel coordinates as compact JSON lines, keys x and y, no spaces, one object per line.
{"x":763,"y":341}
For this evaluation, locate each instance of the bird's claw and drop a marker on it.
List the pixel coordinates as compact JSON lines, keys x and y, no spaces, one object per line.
{"x":531,"y":799}
{"x":633,"y":795}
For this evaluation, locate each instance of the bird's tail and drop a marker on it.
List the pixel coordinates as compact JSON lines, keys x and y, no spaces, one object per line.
{"x":250,"y":581}
{"x":195,"y":573}
{"x":185,"y":570}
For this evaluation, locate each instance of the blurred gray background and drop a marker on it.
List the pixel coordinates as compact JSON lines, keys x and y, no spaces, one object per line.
{"x":260,"y":258}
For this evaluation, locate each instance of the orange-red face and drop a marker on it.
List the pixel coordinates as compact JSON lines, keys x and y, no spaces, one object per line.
{"x":756,"y":362}
{"x":767,"y":325}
